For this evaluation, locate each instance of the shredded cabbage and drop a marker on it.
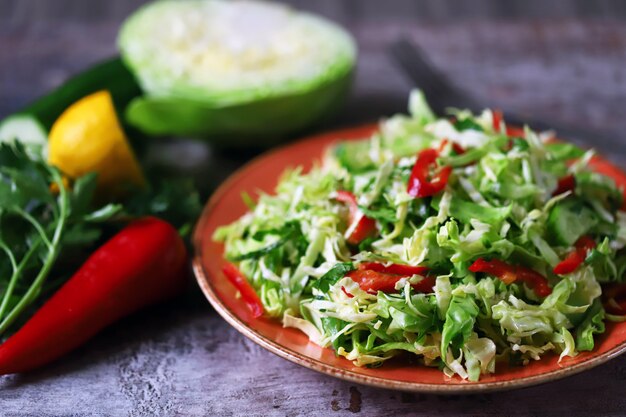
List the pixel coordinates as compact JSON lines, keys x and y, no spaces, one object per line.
{"x":500,"y":202}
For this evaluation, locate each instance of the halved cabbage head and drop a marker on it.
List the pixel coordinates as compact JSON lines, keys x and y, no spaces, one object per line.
{"x":233,"y":69}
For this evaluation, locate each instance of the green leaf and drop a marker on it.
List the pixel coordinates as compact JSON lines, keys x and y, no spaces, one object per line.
{"x":332,"y":326}
{"x":256,"y":254}
{"x":6,"y":195}
{"x":81,"y":197}
{"x":383,"y":214}
{"x":104,"y":213}
{"x":406,"y":317}
{"x":593,"y":185}
{"x":332,"y":276}
{"x":30,"y":184}
{"x":593,"y":323}
{"x":468,"y":157}
{"x":520,"y":144}
{"x":564,"y":151}
{"x":81,"y":235}
{"x":419,"y":107}
{"x":568,"y":220}
{"x":604,"y":262}
{"x":287,"y":229}
{"x":174,"y":200}
{"x":467,"y":124}
{"x":248,"y":200}
{"x":366,"y":244}
{"x":288,"y":232}
{"x":354,"y":155}
{"x":459,"y":322}
{"x":14,"y":156}
{"x":466,"y":210}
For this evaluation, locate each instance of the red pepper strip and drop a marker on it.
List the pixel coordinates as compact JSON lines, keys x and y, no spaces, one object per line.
{"x":511,"y":131}
{"x":575,"y":258}
{"x":425,"y":285}
{"x":144,"y":263}
{"x":365,"y":228}
{"x":458,"y":149}
{"x":346,"y":292}
{"x":615,"y":299}
{"x":419,"y":183}
{"x":510,"y":273}
{"x":374,"y":281}
{"x":497,"y":120}
{"x":567,"y":183}
{"x":397,"y":269}
{"x":515,"y":132}
{"x":248,"y":294}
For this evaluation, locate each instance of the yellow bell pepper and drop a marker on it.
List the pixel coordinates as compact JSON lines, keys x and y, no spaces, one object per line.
{"x":88,"y":137}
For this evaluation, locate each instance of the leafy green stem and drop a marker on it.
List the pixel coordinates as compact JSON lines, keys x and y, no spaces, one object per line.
{"x":36,"y":225}
{"x":53,"y":252}
{"x":10,"y":255}
{"x":17,"y":271}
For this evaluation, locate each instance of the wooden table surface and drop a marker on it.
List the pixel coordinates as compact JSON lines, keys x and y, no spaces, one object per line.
{"x":182,"y":358}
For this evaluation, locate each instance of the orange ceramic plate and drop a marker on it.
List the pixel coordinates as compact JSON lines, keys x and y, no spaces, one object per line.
{"x":262,"y":174}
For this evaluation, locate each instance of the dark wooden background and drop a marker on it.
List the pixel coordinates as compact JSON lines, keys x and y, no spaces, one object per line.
{"x":558,"y":60}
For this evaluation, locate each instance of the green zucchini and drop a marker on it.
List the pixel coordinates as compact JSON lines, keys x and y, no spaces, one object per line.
{"x":569,"y":220}
{"x":31,"y":125}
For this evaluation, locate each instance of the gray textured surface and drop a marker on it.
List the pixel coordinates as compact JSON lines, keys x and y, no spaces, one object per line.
{"x":191,"y":362}
{"x":183,"y":359}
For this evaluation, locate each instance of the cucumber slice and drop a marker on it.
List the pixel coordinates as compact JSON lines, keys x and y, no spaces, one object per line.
{"x":249,"y":70}
{"x":569,"y":220}
{"x":25,"y":128}
{"x":28,"y":131}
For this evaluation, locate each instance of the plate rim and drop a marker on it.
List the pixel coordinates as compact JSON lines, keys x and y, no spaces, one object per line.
{"x":322,"y":367}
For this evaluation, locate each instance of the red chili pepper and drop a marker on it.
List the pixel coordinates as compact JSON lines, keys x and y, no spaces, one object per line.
{"x":365,"y":227}
{"x":575,"y":258}
{"x":373,"y":277}
{"x":420,"y":185}
{"x":511,"y":131}
{"x":346,"y":292}
{"x":497,"y":120}
{"x":144,"y":263}
{"x":566,"y":183}
{"x":248,"y":294}
{"x":458,"y":149}
{"x":373,"y":281}
{"x":515,"y":132}
{"x":510,"y":273}
{"x":397,"y":269}
{"x":425,"y":285}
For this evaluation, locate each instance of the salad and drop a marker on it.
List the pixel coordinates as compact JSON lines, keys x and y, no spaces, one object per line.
{"x":462,"y":241}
